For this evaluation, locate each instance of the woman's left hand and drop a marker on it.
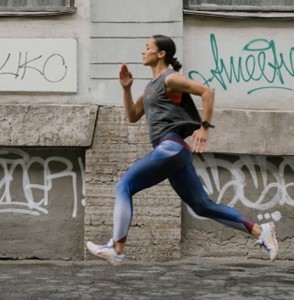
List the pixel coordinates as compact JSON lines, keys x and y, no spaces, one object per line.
{"x":199,"y":140}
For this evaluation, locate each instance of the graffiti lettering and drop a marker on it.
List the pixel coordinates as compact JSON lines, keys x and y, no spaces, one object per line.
{"x":261,"y":63}
{"x":268,"y":179}
{"x":22,"y":161}
{"x":52,"y":68}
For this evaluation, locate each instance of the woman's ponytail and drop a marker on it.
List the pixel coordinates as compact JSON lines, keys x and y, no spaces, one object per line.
{"x":176,"y":64}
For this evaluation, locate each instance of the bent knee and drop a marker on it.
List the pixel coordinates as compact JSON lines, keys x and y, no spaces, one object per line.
{"x":123,"y":187}
{"x":203,"y":209}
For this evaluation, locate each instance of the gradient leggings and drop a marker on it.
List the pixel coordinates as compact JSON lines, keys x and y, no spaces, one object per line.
{"x":171,"y":160}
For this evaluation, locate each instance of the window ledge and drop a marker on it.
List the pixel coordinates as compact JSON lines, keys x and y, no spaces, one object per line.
{"x":241,"y":15}
{"x":36,"y":11}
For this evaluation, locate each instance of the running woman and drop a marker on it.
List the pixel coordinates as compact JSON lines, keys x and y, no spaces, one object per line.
{"x":171,"y":157}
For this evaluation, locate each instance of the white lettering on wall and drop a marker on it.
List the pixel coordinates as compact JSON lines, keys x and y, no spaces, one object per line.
{"x":271,"y":184}
{"x":20,"y":160}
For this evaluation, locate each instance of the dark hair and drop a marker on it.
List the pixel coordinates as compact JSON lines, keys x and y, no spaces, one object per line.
{"x":166,"y":44}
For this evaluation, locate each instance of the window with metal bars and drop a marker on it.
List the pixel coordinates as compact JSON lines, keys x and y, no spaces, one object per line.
{"x":239,"y":8}
{"x":36,"y":7}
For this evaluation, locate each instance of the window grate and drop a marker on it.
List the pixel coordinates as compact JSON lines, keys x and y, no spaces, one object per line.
{"x":258,"y":5}
{"x":241,"y":8}
{"x":36,"y":8}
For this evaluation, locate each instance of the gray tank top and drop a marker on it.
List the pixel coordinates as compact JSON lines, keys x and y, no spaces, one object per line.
{"x":162,"y":115}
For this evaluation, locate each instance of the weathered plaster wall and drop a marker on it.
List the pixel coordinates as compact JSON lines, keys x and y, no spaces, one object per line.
{"x":248,"y":131}
{"x":119,"y":31}
{"x":47,"y":125}
{"x":42,"y":187}
{"x":61,"y":126}
{"x":41,"y":204}
{"x":249,"y":64}
{"x":261,"y":187}
{"x":42,"y":171}
{"x":75,"y":26}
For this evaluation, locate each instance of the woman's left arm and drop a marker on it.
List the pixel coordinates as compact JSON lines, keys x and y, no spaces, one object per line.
{"x":179,"y":83}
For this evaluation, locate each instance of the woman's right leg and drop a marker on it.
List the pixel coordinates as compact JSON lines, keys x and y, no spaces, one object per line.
{"x":166,"y":159}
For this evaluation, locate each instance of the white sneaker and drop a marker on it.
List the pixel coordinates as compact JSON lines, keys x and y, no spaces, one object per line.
{"x":267,"y":240}
{"x":106,"y":252}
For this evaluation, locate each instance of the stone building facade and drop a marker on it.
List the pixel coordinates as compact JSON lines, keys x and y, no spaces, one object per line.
{"x":66,"y":143}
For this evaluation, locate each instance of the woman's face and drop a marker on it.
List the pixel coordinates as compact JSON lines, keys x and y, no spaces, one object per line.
{"x":150,"y":53}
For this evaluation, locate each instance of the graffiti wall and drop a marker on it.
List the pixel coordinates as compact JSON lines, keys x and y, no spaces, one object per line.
{"x":250,"y":64}
{"x":41,"y":203}
{"x":264,"y":184}
{"x":260,"y":187}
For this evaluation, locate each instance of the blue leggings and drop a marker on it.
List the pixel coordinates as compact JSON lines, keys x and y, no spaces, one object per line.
{"x":171,"y":160}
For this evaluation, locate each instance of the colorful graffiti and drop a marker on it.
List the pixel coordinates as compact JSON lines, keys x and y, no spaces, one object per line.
{"x":260,"y":62}
{"x":16,"y":160}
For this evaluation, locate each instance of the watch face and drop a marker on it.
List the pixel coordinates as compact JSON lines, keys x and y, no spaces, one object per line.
{"x":205,"y":124}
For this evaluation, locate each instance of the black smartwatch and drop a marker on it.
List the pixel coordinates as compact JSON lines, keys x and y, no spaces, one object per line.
{"x":206,"y":125}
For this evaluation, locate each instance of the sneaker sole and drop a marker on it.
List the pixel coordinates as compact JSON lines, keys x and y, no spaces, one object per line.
{"x":108,"y":259}
{"x":103,"y":256}
{"x":273,"y":233}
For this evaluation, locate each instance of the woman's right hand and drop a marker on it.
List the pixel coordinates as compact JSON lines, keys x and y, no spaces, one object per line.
{"x":125,"y":77}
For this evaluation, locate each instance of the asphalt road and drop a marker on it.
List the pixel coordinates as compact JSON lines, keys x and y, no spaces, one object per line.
{"x":191,"y":278}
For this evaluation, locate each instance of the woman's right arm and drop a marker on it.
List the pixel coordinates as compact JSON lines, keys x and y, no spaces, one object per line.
{"x":134,"y":110}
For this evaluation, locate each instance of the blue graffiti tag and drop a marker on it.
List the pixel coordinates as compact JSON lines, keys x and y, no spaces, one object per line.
{"x":263,"y":62}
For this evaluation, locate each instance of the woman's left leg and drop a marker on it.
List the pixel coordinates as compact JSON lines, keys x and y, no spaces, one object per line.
{"x":188,"y":186}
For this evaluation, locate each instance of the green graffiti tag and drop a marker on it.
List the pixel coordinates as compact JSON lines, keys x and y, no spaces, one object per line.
{"x":261,"y":63}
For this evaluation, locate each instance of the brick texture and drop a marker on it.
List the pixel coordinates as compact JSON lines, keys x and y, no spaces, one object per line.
{"x":155,"y":232}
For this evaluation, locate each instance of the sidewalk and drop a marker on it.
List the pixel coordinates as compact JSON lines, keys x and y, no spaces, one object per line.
{"x":191,"y":278}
